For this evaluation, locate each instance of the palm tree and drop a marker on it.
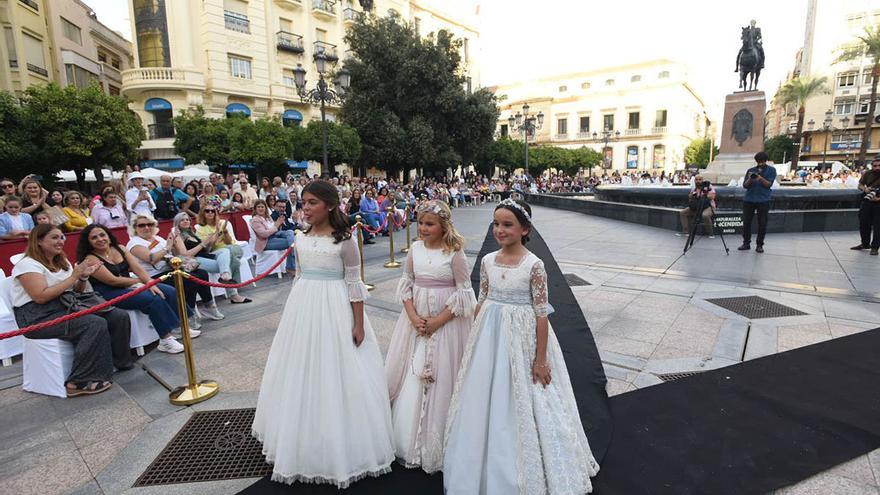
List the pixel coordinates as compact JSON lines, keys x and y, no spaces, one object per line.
{"x":798,"y":91}
{"x":867,"y":46}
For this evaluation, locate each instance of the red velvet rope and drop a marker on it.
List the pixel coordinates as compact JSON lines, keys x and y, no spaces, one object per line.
{"x":93,"y":309}
{"x":248,"y":282}
{"x":380,"y":229}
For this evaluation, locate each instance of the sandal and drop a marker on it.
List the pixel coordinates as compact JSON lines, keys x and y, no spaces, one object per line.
{"x":243,"y":301}
{"x":87,"y":388}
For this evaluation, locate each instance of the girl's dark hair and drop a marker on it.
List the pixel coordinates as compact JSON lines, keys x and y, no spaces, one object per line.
{"x":84,"y":248}
{"x":525,"y":222}
{"x":327,"y":193}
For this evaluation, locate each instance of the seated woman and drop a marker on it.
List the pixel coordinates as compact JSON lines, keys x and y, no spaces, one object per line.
{"x":109,"y":212}
{"x":211,"y":224}
{"x":238,"y":203}
{"x":269,"y":237}
{"x":192,"y":190}
{"x":14,"y":224}
{"x":45,"y":286}
{"x":209,"y":196}
{"x":370,"y":211}
{"x":151,"y":250}
{"x":77,"y":213}
{"x":112,"y":278}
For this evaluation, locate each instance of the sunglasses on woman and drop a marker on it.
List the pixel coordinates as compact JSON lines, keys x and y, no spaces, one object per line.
{"x":143,"y":225}
{"x":210,"y":210}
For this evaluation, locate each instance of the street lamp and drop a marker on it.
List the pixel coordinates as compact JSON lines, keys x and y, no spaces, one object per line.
{"x":322,"y":94}
{"x":645,"y":157}
{"x":527,"y":124}
{"x":607,"y":134}
{"x":844,"y":122}
{"x":828,"y":129}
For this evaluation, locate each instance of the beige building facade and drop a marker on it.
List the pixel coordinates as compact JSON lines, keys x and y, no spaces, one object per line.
{"x":25,"y":47}
{"x":650,"y":113}
{"x":239,"y":56}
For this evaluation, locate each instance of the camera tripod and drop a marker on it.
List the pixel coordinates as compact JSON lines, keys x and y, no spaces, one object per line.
{"x":698,"y":221}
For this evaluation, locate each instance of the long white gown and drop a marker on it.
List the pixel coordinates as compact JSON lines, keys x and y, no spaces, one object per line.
{"x":323,"y":412}
{"x":506,"y":434}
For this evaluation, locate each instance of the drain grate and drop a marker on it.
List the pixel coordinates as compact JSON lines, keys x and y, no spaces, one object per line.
{"x":574,"y":280}
{"x":671,"y":377}
{"x":755,"y":307}
{"x":212,"y":445}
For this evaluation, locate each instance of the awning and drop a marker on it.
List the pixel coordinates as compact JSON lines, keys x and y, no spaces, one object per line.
{"x":162,"y":164}
{"x":156,"y":104}
{"x":238,"y":108}
{"x":292,"y":115}
{"x":293,"y":164}
{"x":241,"y":166}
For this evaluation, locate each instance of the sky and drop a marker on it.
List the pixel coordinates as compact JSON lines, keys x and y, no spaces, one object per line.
{"x":524,"y":39}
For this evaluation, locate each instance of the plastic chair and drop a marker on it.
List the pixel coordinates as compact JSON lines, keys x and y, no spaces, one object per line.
{"x":263,"y":261}
{"x":142,"y":331}
{"x":15,"y":258}
{"x":14,"y":346}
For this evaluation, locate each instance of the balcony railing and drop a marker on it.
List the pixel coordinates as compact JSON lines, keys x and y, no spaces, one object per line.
{"x":632,"y":132}
{"x":111,"y":72}
{"x":560,"y":137}
{"x":659,"y":130}
{"x":39,"y":70}
{"x":162,"y":77}
{"x":160,"y":131}
{"x":237,"y":22}
{"x":30,"y":3}
{"x":585,"y":135}
{"x":351,"y":15}
{"x":327,"y":49}
{"x":297,"y":3}
{"x":289,"y":42}
{"x":324,"y":7}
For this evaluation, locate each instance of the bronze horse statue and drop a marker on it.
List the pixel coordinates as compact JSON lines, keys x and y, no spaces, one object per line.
{"x":750,"y":61}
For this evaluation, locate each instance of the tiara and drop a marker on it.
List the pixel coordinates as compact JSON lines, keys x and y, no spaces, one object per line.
{"x":513,"y":204}
{"x":433,"y":207}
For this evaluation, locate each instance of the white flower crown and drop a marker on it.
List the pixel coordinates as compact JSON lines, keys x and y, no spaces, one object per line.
{"x":514,"y":204}
{"x":433,"y":207}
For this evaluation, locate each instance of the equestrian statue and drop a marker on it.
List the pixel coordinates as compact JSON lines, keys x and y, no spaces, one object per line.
{"x":750,"y":59}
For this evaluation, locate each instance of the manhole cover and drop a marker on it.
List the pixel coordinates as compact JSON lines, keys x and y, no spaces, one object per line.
{"x":574,"y":280}
{"x":671,"y":377}
{"x":212,"y":445}
{"x":755,"y":307}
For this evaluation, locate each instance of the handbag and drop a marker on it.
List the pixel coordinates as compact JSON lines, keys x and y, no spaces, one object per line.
{"x":78,"y":301}
{"x":56,"y":215}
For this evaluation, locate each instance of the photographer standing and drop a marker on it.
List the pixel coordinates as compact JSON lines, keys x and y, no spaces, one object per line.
{"x":869,"y":210}
{"x":758,"y":181}
{"x":701,"y":201}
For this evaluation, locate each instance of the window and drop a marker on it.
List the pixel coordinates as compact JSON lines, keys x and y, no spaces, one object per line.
{"x":663,"y":75}
{"x":79,"y":77}
{"x":659,"y":156}
{"x":563,"y":89}
{"x":633,"y":120}
{"x":846,"y":80}
{"x":585,"y":125}
{"x":10,"y":46}
{"x":285,"y":25}
{"x":608,"y":122}
{"x":562,"y":126}
{"x":844,"y":108}
{"x":116,"y":63}
{"x":609,"y":82}
{"x":504,"y":131}
{"x":636,"y":78}
{"x":417,"y":25}
{"x":864,"y":106}
{"x":287,"y":77}
{"x":866,"y":77}
{"x":585,"y":85}
{"x":467,"y":50}
{"x":320,"y":34}
{"x":468,"y":83}
{"x":102,"y":57}
{"x":151,"y":48}
{"x":660,"y":119}
{"x":240,"y":67}
{"x":33,"y":52}
{"x":71,"y":31}
{"x":112,"y":90}
{"x":235,"y":16}
{"x":632,"y":157}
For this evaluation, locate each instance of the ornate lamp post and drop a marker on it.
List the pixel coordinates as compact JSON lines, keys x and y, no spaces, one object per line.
{"x":645,"y":157}
{"x":607,"y":134}
{"x":828,"y":129}
{"x":322,"y":94}
{"x":526,"y":124}
{"x":844,"y":122}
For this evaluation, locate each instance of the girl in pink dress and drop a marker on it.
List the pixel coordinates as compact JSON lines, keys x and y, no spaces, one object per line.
{"x":429,"y":339}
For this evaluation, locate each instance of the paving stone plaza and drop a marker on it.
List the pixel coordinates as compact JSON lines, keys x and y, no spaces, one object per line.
{"x":649,"y":307}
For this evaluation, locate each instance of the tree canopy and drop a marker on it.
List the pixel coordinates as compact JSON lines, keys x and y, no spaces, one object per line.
{"x":697,"y":153}
{"x":778,"y":148}
{"x":798,"y":91}
{"x":868,"y":45}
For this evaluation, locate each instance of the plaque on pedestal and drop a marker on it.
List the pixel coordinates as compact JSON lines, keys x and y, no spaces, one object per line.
{"x":742,"y":135}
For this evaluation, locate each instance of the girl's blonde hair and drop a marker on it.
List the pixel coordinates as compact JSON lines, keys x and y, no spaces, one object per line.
{"x":452,"y":240}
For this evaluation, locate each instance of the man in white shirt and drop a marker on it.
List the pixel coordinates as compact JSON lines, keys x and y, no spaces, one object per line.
{"x":249,"y":194}
{"x":138,"y":197}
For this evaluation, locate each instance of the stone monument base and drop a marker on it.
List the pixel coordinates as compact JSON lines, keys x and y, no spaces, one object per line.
{"x":727,"y":166}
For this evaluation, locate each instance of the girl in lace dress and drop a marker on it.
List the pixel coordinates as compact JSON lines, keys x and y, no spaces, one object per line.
{"x":429,"y":338}
{"x":323,"y":412}
{"x":513,"y":423}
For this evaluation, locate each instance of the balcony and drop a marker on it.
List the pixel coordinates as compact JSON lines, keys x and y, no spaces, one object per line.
{"x":290,"y":3}
{"x":585,"y":135}
{"x":658,"y":130}
{"x":289,"y":42}
{"x":351,"y":15}
{"x":160,"y":131}
{"x":237,"y":22}
{"x":324,"y":8}
{"x":38,"y":70}
{"x":13,"y":63}
{"x":327,"y":49}
{"x":30,"y":3}
{"x":560,"y":137}
{"x":632,"y":132}
{"x":111,"y":72}
{"x":147,"y":78}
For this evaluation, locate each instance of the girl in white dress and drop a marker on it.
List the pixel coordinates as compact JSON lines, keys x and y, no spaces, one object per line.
{"x":429,"y":339}
{"x":323,"y":412}
{"x":513,"y":423}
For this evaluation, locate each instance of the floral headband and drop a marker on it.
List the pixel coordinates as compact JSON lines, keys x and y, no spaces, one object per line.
{"x":435,"y":208}
{"x":513,"y":204}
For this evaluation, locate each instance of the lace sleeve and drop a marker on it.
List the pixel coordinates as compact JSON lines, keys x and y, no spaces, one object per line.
{"x":484,"y":281}
{"x":296,"y":264}
{"x":539,"y":290}
{"x":405,"y":285}
{"x":462,"y":302}
{"x":351,"y":261}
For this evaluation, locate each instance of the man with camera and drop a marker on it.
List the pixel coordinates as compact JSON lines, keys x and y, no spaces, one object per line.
{"x":869,"y":210}
{"x":759,"y":179}
{"x":701,"y":201}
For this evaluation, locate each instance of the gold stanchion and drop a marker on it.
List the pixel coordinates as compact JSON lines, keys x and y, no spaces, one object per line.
{"x":406,"y":213}
{"x":192,"y":392}
{"x":391,"y":263}
{"x":360,"y":228}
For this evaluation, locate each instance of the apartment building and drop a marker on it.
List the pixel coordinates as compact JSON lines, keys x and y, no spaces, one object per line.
{"x":25,"y":47}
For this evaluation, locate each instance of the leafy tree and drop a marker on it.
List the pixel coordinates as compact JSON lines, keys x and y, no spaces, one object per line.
{"x":584,"y":157}
{"x":81,"y":129}
{"x":265,"y":143}
{"x":343,"y":143}
{"x":15,"y":143}
{"x":778,"y":147}
{"x":407,"y":99}
{"x":201,"y":139}
{"x":798,"y":91}
{"x":504,"y":153}
{"x":697,"y":153}
{"x":867,"y":46}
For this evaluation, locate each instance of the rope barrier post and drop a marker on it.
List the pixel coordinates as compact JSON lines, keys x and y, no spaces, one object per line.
{"x":391,"y":263}
{"x":193,"y":392}
{"x":360,"y":229}
{"x":406,"y":213}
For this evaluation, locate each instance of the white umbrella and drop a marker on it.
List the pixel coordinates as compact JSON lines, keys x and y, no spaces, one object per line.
{"x":192,"y":173}
{"x":153,"y":173}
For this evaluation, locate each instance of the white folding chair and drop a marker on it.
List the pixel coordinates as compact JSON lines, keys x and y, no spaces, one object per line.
{"x":263,"y":261}
{"x":15,"y":258}
{"x":142,"y":331}
{"x":11,"y":347}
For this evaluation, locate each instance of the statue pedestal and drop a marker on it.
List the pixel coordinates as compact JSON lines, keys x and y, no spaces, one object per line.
{"x":742,"y":135}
